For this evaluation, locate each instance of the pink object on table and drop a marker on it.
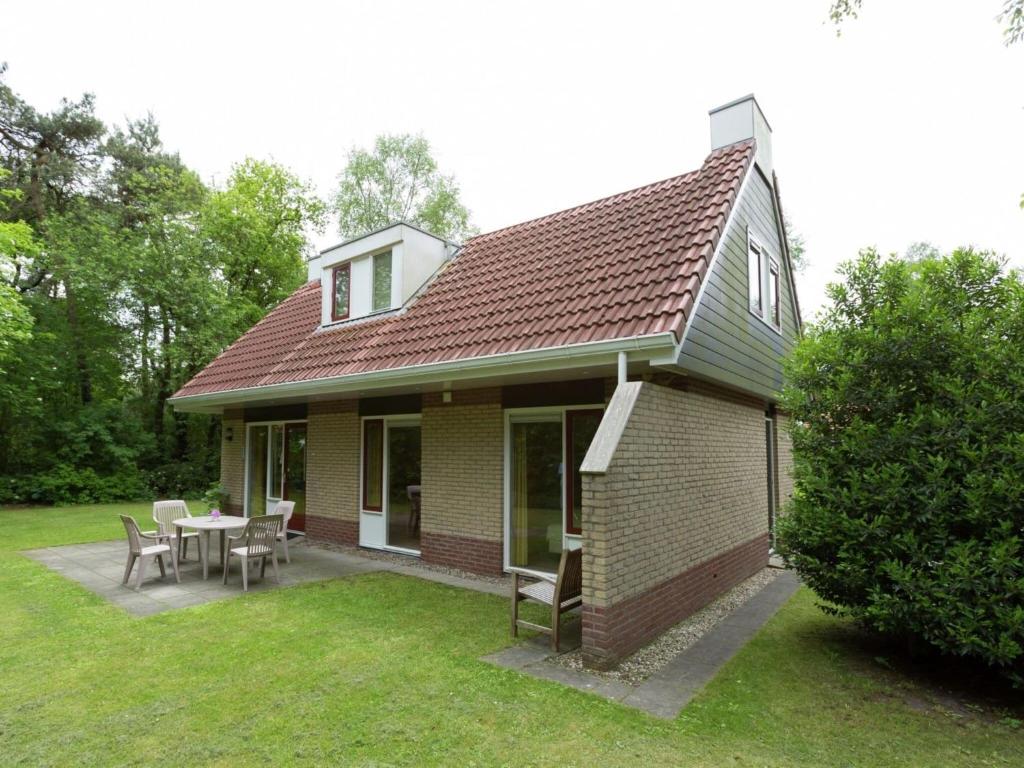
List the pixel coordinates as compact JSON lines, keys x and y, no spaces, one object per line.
{"x":215,"y":513}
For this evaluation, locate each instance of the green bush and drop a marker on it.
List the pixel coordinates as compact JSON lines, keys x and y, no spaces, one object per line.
{"x":178,"y":480}
{"x":64,"y":484}
{"x":908,"y":409}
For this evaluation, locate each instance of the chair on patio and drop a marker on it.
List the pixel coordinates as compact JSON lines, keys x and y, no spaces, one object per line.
{"x":164,"y":515}
{"x":140,"y":551}
{"x":258,"y":540}
{"x":285,"y":509}
{"x":414,"y":492}
{"x":561,"y":593}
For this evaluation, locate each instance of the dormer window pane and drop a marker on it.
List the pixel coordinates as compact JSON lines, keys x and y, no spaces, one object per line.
{"x":339,"y":308}
{"x":382,"y":281}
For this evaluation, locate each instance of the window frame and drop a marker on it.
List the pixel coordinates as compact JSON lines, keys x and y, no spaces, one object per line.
{"x":755,"y":249}
{"x":365,"y":469}
{"x":347,"y":266}
{"x":389,"y":253}
{"x":774,"y":294}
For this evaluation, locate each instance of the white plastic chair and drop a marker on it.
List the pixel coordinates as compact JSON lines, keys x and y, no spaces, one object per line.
{"x":137,"y":550}
{"x":164,"y":515}
{"x":259,"y":540}
{"x":285,"y":509}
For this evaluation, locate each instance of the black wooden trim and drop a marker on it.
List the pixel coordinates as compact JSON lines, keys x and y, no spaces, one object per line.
{"x":385,"y":406}
{"x":277,"y":412}
{"x":580,"y":392}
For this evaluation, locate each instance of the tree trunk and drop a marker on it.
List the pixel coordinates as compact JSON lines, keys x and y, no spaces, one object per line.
{"x":163,"y":381}
{"x":78,"y":342}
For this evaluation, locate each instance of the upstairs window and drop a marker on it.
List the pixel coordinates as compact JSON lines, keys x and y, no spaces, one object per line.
{"x":775,"y":307}
{"x":341,"y":283}
{"x":764,"y":284}
{"x":754,"y":280}
{"x":381,"y":281}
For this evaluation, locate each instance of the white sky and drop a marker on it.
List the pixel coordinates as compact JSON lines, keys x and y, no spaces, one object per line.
{"x":908,"y":127}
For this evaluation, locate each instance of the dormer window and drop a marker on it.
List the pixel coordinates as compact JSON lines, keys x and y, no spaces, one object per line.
{"x":381,"y":281}
{"x":341,"y":278}
{"x":376,"y":273}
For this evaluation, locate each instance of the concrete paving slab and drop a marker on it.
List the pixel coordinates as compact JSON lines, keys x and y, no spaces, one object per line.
{"x":666,"y":692}
{"x":99,"y":567}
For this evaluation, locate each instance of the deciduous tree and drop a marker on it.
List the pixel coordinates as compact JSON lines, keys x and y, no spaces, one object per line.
{"x":399,"y":181}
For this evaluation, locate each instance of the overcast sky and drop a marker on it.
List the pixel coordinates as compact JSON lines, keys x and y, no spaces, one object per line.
{"x":907,"y":127}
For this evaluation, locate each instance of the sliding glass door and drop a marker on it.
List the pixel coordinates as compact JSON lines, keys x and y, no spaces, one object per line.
{"x":256,"y":498}
{"x":295,"y":473}
{"x":276,"y":470}
{"x":545,"y":506}
{"x":403,"y":486}
{"x":536,"y":504}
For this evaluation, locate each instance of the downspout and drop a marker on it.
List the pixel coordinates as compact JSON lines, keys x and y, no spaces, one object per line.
{"x":622,"y":368}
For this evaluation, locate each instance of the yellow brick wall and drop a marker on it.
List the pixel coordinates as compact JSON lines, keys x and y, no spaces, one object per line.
{"x":232,"y":458}
{"x":332,"y":460}
{"x":688,"y":481}
{"x":463,"y":460}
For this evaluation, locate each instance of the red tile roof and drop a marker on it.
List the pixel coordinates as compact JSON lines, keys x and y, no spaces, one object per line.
{"x":628,"y":265}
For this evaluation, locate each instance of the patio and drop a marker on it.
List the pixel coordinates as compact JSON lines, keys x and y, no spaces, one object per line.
{"x":99,"y":567}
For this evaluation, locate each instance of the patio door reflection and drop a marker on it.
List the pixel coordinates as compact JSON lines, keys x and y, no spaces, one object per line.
{"x":276,"y":470}
{"x":257,"y":495}
{"x":295,"y":473}
{"x":403,"y":485}
{"x":536,"y":493}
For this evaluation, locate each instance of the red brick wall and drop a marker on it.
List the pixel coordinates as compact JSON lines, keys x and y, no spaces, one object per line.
{"x":467,"y":554}
{"x":618,"y":630}
{"x":332,"y":529}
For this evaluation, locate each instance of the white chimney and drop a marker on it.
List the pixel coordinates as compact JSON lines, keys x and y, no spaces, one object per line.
{"x":740,"y":120}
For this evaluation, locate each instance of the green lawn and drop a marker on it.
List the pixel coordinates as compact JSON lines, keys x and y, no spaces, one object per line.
{"x":383,"y":670}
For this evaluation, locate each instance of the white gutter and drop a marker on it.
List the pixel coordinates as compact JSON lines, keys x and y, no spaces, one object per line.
{"x":526,"y":361}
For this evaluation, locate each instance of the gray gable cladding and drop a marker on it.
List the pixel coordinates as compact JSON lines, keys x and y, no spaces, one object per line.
{"x":725,"y":341}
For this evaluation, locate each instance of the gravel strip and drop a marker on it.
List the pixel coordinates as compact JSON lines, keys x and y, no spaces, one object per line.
{"x":651,"y":658}
{"x":407,"y":560}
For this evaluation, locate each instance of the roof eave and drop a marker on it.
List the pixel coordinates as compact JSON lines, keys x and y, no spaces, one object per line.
{"x":638,"y":348}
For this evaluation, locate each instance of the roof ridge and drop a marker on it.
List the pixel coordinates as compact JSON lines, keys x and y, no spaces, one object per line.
{"x":609,"y":198}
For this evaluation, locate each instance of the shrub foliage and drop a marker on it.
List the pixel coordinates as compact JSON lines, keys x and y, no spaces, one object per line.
{"x":908,"y":409}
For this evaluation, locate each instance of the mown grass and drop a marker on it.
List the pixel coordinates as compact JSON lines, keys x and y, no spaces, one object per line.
{"x":382,"y":669}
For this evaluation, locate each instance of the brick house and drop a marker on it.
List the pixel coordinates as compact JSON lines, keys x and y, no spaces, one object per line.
{"x":603,"y":377}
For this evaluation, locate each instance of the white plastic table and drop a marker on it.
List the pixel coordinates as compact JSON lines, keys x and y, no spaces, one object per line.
{"x":205,"y":525}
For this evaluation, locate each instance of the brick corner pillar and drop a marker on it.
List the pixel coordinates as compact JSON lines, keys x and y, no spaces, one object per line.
{"x":232,"y":460}
{"x":598,"y":633}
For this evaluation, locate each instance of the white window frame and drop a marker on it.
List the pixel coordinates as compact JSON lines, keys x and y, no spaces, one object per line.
{"x":397,"y":419}
{"x":776,"y":295}
{"x":755,"y":249}
{"x":540,"y":413}
{"x":766,"y":262}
